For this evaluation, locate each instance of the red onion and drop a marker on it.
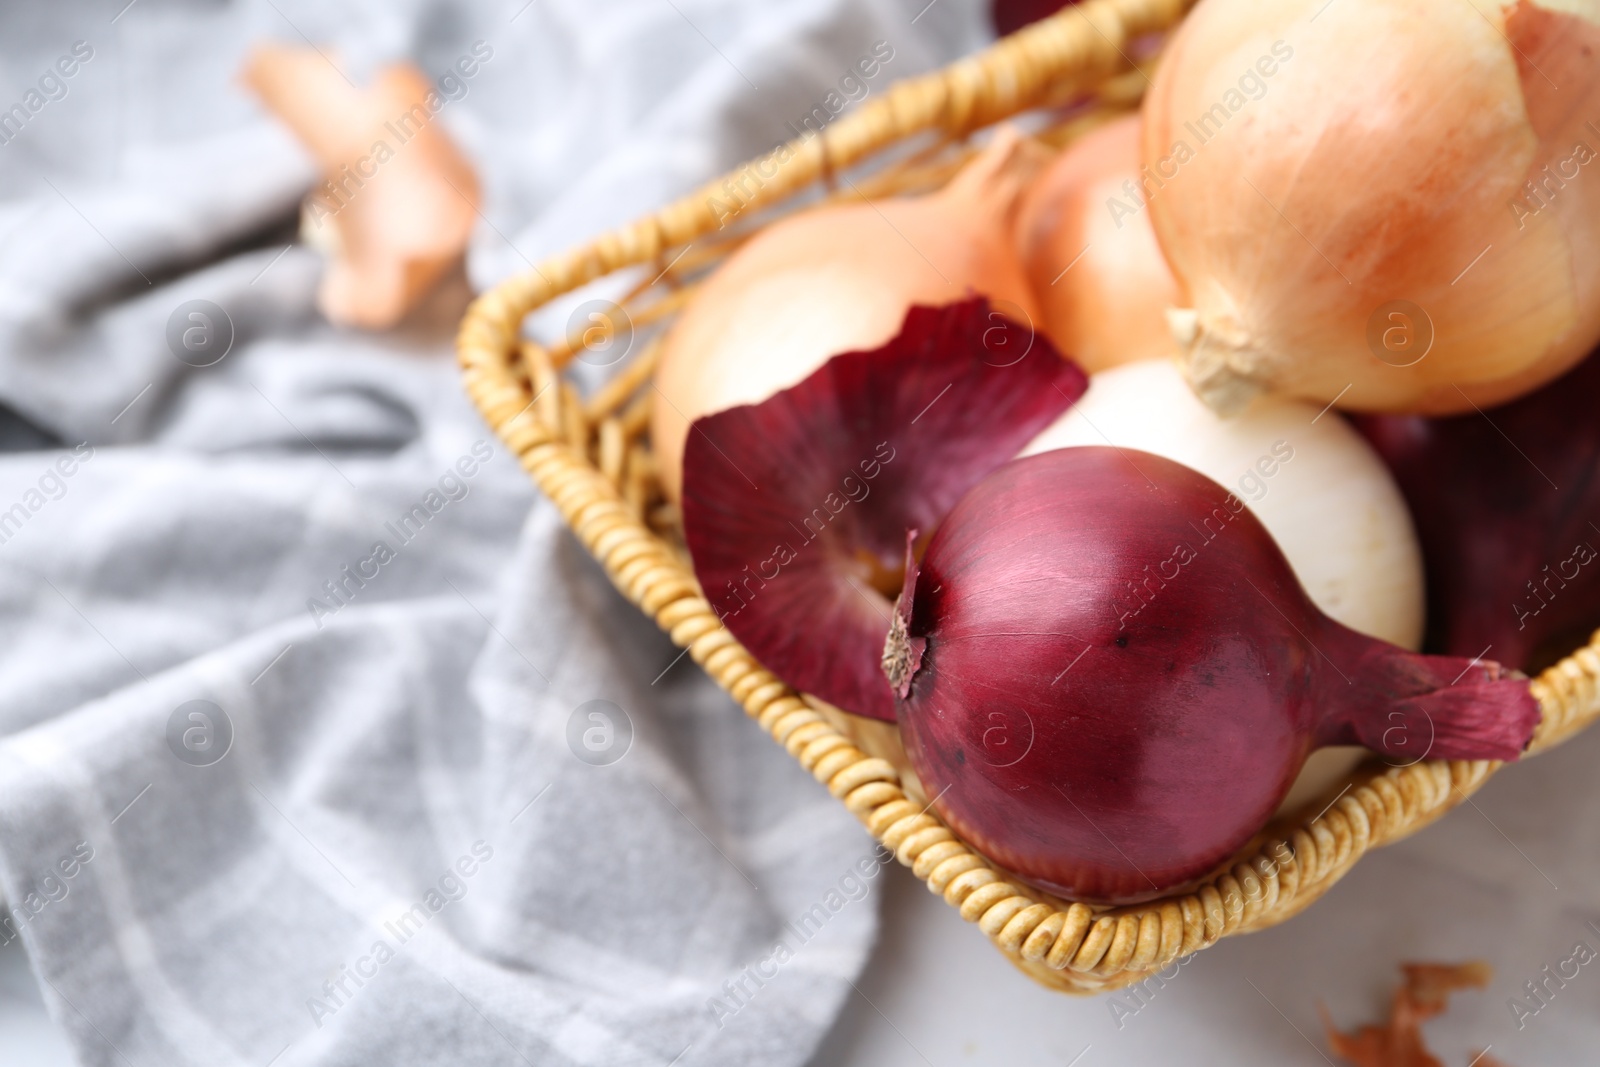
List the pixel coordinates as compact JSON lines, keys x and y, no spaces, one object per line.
{"x":1108,"y":676}
{"x":1507,"y":506}
{"x":795,"y":509}
{"x":1009,"y":16}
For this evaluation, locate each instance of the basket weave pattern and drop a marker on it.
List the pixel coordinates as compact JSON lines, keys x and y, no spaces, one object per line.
{"x":590,"y":458}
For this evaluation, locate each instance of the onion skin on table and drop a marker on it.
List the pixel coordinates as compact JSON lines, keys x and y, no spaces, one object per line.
{"x":795,"y":509}
{"x":1507,"y":505}
{"x":1108,"y":676}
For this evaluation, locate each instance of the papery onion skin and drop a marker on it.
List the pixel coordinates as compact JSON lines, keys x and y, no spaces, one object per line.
{"x":835,"y":279}
{"x":1320,"y":490}
{"x":1352,"y":233}
{"x":1102,"y":283}
{"x":1507,"y":503}
{"x":795,"y":509}
{"x":394,"y":223}
{"x":1108,"y":746}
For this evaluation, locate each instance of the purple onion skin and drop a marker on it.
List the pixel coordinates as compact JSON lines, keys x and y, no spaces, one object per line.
{"x":1111,"y":745}
{"x":1507,"y":507}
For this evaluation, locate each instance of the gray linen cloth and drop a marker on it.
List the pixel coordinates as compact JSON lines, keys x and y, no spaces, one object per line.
{"x":321,"y":742}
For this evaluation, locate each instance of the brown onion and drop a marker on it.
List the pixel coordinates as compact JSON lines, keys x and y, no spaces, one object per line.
{"x":1388,"y":205}
{"x":1086,"y":242}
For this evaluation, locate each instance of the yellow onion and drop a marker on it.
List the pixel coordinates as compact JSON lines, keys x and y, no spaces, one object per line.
{"x":1386,"y":204}
{"x":1320,"y":490}
{"x":1102,"y":283}
{"x":839,"y":278}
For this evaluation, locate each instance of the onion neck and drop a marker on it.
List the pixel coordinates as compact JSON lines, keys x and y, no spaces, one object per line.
{"x":1219,"y":361}
{"x":996,"y":179}
{"x":897,"y":663}
{"x":902,"y":653}
{"x":1405,"y":706}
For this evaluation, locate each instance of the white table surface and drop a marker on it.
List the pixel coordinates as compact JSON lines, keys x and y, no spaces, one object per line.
{"x":1513,"y":878}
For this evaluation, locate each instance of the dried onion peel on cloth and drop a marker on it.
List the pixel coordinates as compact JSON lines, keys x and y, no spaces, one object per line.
{"x":398,"y":200}
{"x":1406,"y":228}
{"x":1507,"y":504}
{"x":1107,"y":676}
{"x":1102,"y":283}
{"x":795,"y":509}
{"x":839,"y":278}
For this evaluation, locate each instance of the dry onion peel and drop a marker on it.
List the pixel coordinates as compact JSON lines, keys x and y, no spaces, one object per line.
{"x":1376,"y":226}
{"x":399,"y":199}
{"x":1399,"y":1041}
{"x":795,"y":509}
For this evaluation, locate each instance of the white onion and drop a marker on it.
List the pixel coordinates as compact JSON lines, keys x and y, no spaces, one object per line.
{"x":1331,"y":507}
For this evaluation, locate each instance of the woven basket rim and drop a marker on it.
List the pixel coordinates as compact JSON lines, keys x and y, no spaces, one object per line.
{"x":1072,"y":947}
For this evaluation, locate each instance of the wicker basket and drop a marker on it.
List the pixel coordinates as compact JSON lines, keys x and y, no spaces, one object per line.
{"x":591,"y":458}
